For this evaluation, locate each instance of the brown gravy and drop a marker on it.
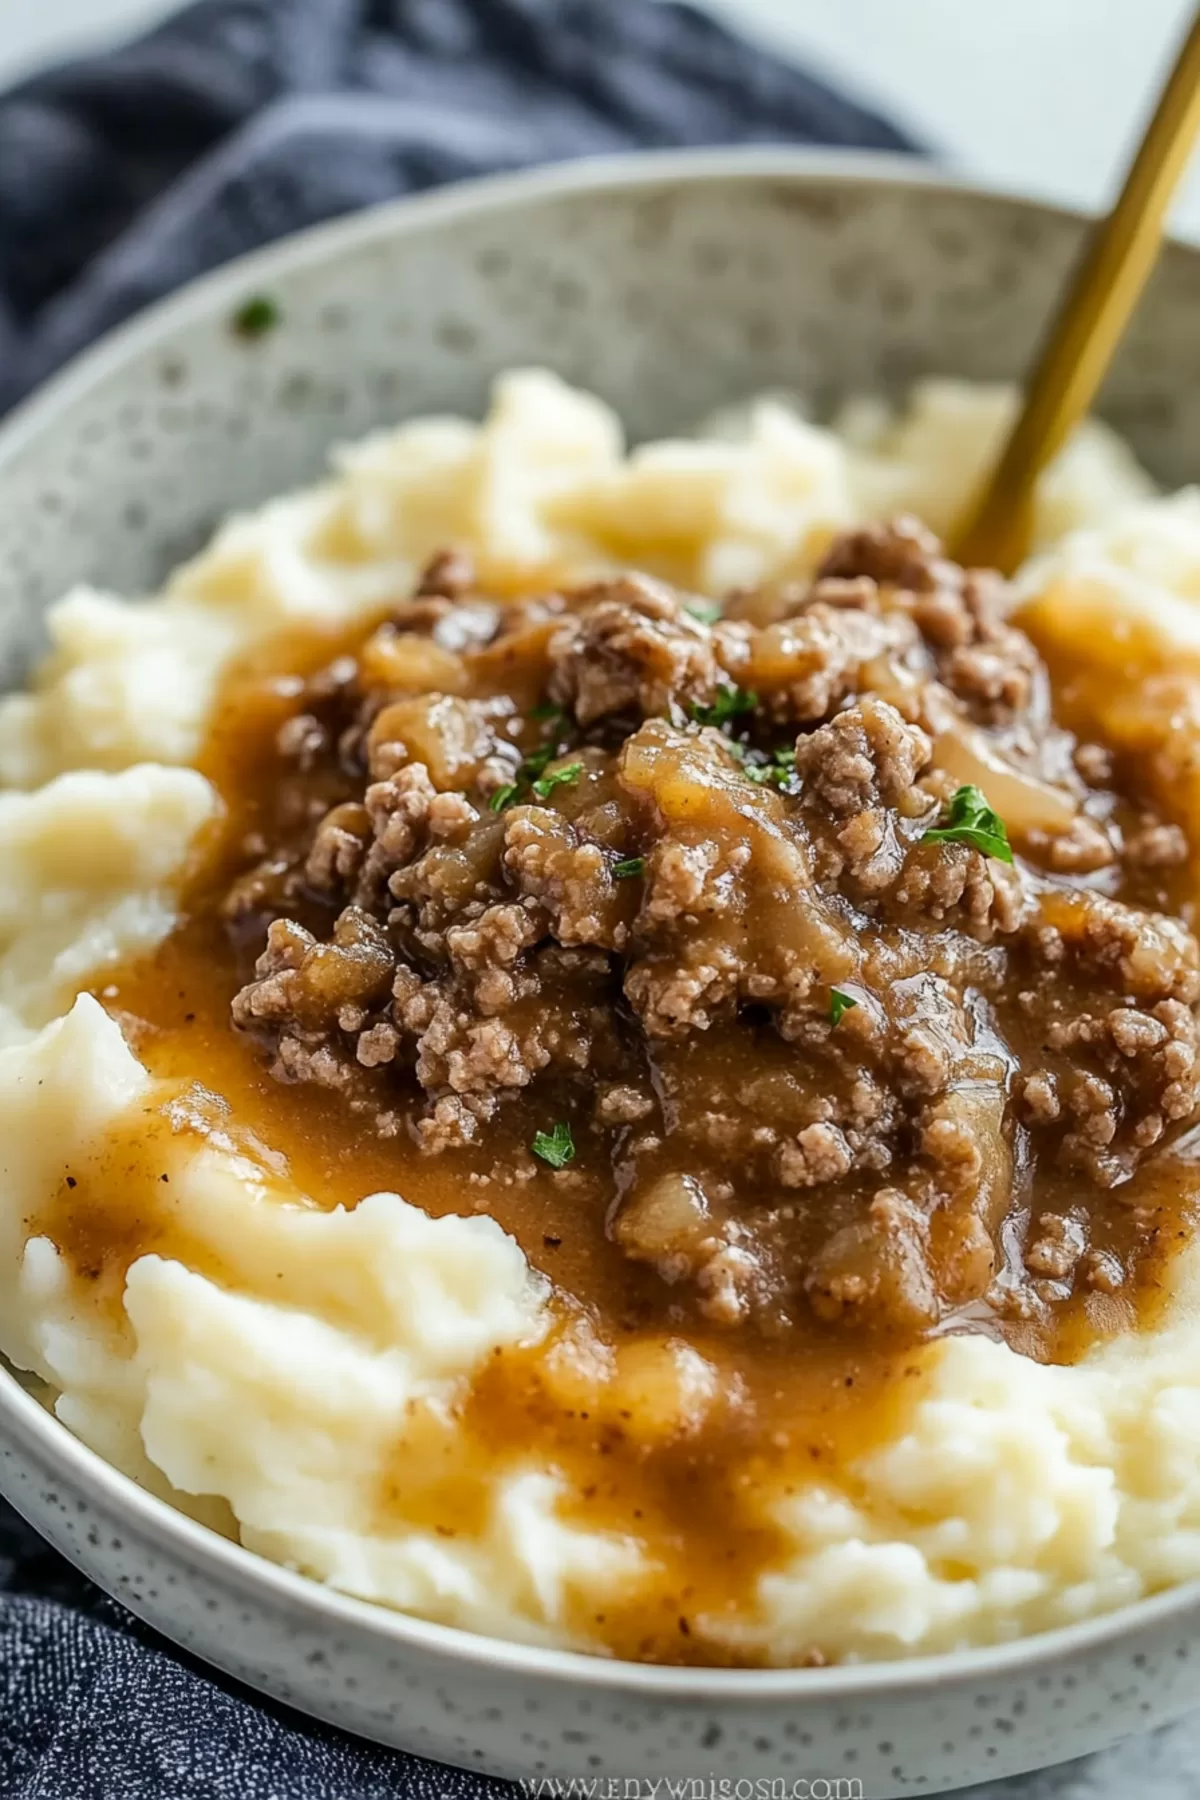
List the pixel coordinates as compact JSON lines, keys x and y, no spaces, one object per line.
{"x":789,"y":1402}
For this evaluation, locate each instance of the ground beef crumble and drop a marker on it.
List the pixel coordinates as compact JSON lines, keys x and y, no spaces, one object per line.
{"x":666,"y":877}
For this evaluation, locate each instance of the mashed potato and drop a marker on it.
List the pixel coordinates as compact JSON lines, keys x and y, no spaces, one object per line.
{"x":275,"y":1378}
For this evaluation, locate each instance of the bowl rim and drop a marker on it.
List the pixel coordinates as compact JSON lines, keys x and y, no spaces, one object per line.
{"x":24,"y":1420}
{"x":204,"y":295}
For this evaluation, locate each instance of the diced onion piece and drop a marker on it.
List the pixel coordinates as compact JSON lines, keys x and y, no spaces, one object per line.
{"x":1022,"y":801}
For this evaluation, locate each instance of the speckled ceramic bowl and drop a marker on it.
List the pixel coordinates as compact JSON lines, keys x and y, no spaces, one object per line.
{"x":670,"y":285}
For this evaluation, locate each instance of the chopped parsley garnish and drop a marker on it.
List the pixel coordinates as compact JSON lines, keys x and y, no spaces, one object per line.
{"x":547,"y":712}
{"x":970,"y":820}
{"x":729,"y":704}
{"x":536,"y":761}
{"x":631,"y":867}
{"x":772,"y":772}
{"x":707,"y":611}
{"x":557,"y":778}
{"x":839,"y":1005}
{"x":256,"y":316}
{"x":531,"y":776}
{"x":781,"y":768}
{"x":555,"y":1147}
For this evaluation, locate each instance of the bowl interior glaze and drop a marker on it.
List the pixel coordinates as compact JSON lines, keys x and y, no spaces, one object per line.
{"x":669,"y":285}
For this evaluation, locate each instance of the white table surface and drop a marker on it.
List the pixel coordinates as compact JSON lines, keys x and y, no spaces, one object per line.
{"x":1039,"y":95}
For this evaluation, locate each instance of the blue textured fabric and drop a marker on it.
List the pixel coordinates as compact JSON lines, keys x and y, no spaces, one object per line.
{"x":120,"y":177}
{"x":240,"y":120}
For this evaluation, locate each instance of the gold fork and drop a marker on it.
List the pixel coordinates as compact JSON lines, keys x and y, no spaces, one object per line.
{"x":1087,"y":328}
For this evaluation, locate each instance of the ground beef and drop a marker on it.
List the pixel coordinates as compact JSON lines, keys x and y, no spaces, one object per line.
{"x":339,"y":848}
{"x":960,"y":612}
{"x":801,"y":669}
{"x":900,"y":554}
{"x":449,"y":574}
{"x":631,"y":648}
{"x":550,"y":861}
{"x":315,"y":994}
{"x":596,"y":856}
{"x":865,"y":757}
{"x":1153,"y":845}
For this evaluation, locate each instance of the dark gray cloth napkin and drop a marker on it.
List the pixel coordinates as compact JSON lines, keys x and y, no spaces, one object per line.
{"x":122,"y":176}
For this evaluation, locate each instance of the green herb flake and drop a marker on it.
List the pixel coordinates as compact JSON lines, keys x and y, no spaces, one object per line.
{"x":775,"y":771}
{"x":629,"y":869}
{"x":503,"y":796}
{"x":839,"y":1005}
{"x":729,"y":704}
{"x":555,"y":1147}
{"x":557,"y":778}
{"x":547,"y":713}
{"x":707,"y":611}
{"x":970,"y":820}
{"x":536,"y":761}
{"x":256,"y":317}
